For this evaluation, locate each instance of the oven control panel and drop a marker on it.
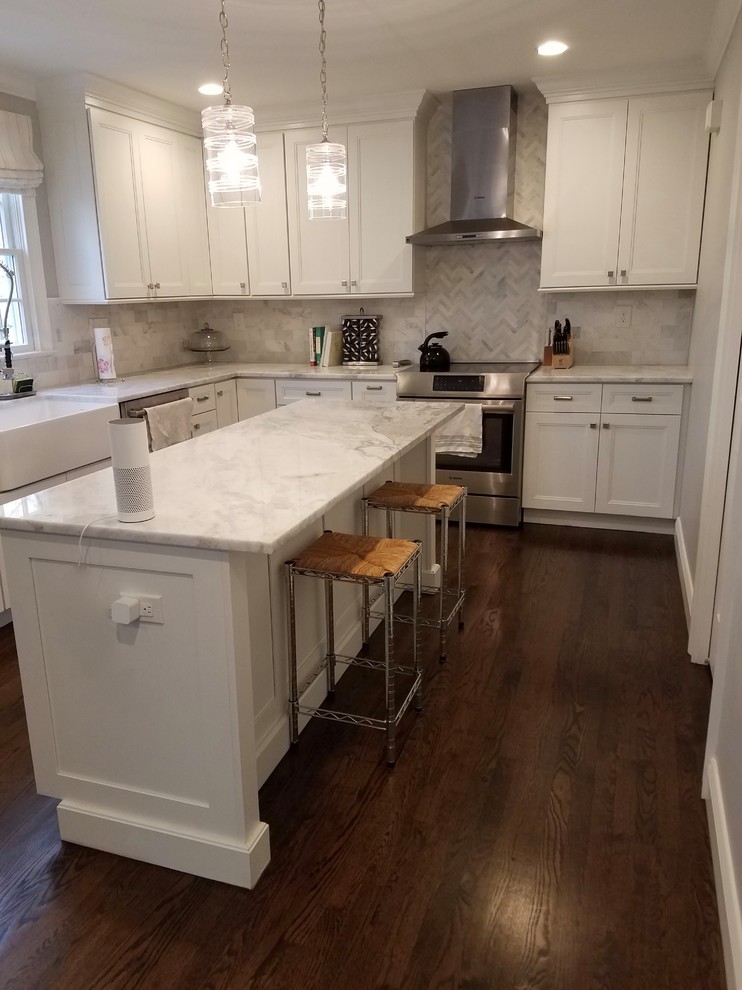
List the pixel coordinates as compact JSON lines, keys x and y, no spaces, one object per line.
{"x":458,"y":383}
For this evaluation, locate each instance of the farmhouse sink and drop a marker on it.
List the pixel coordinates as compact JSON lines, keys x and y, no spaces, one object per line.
{"x":40,"y":437}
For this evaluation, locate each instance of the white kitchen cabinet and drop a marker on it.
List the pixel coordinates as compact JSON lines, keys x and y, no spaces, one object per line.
{"x":601,"y":460}
{"x":205,"y":422}
{"x":374,"y":391}
{"x":151,"y":208}
{"x":255,"y":396}
{"x":204,"y":398}
{"x":365,"y":253}
{"x":624,"y":194}
{"x":249,"y":248}
{"x":292,"y":390}
{"x":226,"y":403}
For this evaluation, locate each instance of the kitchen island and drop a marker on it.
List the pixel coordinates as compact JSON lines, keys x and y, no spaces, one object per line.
{"x":155,"y":735}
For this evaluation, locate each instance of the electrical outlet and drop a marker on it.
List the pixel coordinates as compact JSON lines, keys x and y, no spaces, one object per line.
{"x":622,"y":316}
{"x":239,"y":322}
{"x":150,"y":608}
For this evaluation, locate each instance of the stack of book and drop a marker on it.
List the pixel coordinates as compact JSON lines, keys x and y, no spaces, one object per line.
{"x":325,"y":347}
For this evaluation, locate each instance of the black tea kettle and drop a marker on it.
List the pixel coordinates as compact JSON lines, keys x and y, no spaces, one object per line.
{"x":433,"y":357}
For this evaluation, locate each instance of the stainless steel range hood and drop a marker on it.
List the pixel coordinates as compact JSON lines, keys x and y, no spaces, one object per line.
{"x":482,"y":171}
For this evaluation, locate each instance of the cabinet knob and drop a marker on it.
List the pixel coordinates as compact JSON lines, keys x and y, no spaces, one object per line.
{"x":611,"y":274}
{"x":220,"y":393}
{"x":196,"y":426}
{"x":353,"y":282}
{"x":344,"y":282}
{"x":623,"y":273}
{"x":150,"y":285}
{"x":243,"y":285}
{"x":593,"y":426}
{"x":284,"y":285}
{"x":606,"y":426}
{"x":157,"y":285}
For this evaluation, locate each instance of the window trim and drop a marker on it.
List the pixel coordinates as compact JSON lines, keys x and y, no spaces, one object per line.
{"x":34,"y":300}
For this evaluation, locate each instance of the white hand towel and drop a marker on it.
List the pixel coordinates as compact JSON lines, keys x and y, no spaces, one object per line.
{"x":463,"y":434}
{"x":169,"y":423}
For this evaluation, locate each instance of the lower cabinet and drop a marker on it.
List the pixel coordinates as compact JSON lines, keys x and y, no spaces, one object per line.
{"x":374,"y":391}
{"x":292,"y":390}
{"x":226,"y":403}
{"x":255,"y":396}
{"x":596,"y":460}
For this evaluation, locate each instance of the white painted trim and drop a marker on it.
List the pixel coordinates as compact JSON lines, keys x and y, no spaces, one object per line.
{"x":617,"y":83}
{"x":722,"y":25}
{"x":204,"y":856}
{"x":596,"y":520}
{"x":684,"y":571}
{"x":17,"y":83}
{"x":410,"y":104}
{"x":730,"y":917}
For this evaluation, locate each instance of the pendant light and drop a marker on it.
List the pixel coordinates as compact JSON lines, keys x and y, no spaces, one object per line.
{"x":229,"y":139}
{"x":326,"y":161}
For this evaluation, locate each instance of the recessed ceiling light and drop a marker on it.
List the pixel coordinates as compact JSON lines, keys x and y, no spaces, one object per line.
{"x":211,"y":89}
{"x":552,"y":48}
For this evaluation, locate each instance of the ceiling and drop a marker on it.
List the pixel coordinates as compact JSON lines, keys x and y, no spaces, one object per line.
{"x":168,"y":47}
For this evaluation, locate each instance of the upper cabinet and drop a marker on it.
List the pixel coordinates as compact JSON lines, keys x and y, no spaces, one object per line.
{"x":366,"y":253}
{"x":625,"y":184}
{"x":250,"y":247}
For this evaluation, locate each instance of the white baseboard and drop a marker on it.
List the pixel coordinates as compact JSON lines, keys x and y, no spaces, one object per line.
{"x":684,"y":571}
{"x":730,"y":918}
{"x":596,"y":520}
{"x":200,"y":855}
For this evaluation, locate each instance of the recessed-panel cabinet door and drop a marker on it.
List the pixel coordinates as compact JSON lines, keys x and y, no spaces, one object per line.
{"x":192,"y":209}
{"x":664,"y":183}
{"x":114,"y":141}
{"x":159,"y":166}
{"x":637,"y":465}
{"x":319,"y":248}
{"x":560,"y":458}
{"x":381,"y":171}
{"x":267,"y":224}
{"x":582,"y":197}
{"x":226,"y":403}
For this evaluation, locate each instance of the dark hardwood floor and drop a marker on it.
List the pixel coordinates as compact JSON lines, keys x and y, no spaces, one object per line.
{"x":543,"y":828}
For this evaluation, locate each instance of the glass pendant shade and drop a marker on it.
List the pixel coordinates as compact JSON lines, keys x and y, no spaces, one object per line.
{"x":327,"y":181}
{"x":231,"y":155}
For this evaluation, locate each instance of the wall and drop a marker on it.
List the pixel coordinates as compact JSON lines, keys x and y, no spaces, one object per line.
{"x":486,"y":296}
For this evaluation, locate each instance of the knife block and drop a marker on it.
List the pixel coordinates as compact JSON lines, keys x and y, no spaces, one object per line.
{"x":563,"y":361}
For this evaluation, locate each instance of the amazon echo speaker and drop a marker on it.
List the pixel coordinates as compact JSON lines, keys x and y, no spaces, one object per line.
{"x":132,"y":477}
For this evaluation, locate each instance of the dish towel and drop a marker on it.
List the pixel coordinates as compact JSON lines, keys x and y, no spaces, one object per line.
{"x":463,"y":434}
{"x":169,"y":423}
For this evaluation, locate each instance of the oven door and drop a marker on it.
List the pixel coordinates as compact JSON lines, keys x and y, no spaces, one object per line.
{"x":497,"y":470}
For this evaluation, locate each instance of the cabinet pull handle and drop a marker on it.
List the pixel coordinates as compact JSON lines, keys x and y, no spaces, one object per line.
{"x":606,"y":426}
{"x":344,"y":282}
{"x":242,"y":285}
{"x":312,"y":393}
{"x":150,"y":285}
{"x":611,"y":274}
{"x":202,"y":398}
{"x":157,"y":285}
{"x":196,"y":426}
{"x":593,"y":426}
{"x":563,"y":398}
{"x":623,"y":273}
{"x":353,"y":282}
{"x":284,"y":285}
{"x":642,"y":398}
{"x":220,"y":393}
{"x":374,"y":388}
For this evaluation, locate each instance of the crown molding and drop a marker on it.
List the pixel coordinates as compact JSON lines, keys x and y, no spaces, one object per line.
{"x":411,"y":104}
{"x":624,"y":82}
{"x":14,"y":82}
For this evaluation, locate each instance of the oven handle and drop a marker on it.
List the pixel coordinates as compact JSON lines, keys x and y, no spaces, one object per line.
{"x":498,"y":406}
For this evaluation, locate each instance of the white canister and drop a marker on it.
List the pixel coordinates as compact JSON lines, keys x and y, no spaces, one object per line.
{"x":131,"y":471}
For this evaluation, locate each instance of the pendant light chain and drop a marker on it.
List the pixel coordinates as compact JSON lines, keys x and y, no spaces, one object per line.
{"x":323,"y":67}
{"x":223,"y":21}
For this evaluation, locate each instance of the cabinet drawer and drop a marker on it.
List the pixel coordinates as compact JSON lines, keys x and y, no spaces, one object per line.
{"x":205,"y":422}
{"x":645,"y":399}
{"x":204,"y":398}
{"x":374,"y":391}
{"x":582,"y":397}
{"x":292,"y":391}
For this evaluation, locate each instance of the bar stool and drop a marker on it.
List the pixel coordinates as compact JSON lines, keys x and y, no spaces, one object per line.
{"x":439,"y":501}
{"x":368,"y":561}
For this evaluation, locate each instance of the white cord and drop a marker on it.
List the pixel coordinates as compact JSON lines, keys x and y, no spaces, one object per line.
{"x":92,"y":522}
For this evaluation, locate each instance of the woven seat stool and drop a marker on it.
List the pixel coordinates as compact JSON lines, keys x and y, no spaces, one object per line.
{"x":440,"y":501}
{"x":367,"y":561}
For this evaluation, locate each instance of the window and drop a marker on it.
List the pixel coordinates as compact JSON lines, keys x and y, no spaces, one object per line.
{"x":20,"y":251}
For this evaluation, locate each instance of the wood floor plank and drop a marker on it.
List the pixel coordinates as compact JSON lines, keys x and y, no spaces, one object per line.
{"x":543,"y":828}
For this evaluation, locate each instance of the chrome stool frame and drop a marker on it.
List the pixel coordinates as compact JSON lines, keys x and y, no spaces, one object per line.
{"x":394,"y":712}
{"x":450,"y":601}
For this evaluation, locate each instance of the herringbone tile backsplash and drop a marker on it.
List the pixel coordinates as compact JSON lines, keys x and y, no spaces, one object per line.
{"x":486,"y":296}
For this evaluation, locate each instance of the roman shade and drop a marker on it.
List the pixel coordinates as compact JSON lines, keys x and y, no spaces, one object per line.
{"x":21,"y":169}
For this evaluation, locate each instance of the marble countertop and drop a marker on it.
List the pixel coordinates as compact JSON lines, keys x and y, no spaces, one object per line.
{"x":246,"y":487}
{"x":193,"y":375}
{"x":614,"y":374}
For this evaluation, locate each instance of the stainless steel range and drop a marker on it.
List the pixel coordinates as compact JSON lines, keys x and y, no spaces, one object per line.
{"x":494,"y":477}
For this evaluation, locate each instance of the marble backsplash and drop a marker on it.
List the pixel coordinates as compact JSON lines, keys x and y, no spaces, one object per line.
{"x":485,"y":295}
